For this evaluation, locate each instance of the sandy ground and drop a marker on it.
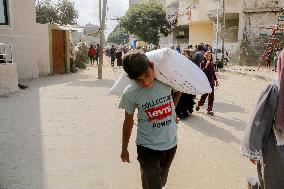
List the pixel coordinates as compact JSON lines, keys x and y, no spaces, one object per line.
{"x":64,"y":132}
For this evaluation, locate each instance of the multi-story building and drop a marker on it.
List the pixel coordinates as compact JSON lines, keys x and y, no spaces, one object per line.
{"x":177,"y":16}
{"x":230,"y":33}
{"x":197,"y":22}
{"x":258,"y":28}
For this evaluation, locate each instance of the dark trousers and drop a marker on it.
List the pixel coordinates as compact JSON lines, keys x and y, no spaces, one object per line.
{"x":154,"y":166}
{"x":185,"y":105}
{"x":210,"y":99}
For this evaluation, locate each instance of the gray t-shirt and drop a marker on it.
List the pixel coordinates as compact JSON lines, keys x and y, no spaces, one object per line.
{"x":157,"y":128}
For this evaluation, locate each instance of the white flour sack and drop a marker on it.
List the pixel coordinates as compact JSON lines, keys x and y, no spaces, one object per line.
{"x":173,"y":69}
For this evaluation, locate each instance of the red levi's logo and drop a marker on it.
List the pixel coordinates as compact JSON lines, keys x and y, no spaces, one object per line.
{"x":160,"y":112}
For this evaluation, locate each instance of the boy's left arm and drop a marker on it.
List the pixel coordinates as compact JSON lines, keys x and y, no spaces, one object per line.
{"x":176,"y":97}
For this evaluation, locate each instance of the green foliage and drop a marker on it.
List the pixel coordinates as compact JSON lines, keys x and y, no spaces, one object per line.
{"x":146,"y":21}
{"x":61,"y":12}
{"x":46,"y":12}
{"x":67,"y":12}
{"x":118,"y":36}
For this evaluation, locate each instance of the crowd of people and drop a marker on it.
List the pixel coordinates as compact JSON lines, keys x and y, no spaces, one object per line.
{"x":202,"y":57}
{"x":157,"y":124}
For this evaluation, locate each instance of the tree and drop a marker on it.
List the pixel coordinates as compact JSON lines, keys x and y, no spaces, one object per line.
{"x":146,"y":21}
{"x":61,"y":12}
{"x":46,"y":12}
{"x":118,"y":36}
{"x":67,"y":12}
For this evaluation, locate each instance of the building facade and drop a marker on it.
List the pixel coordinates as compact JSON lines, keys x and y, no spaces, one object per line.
{"x":197,"y":22}
{"x":20,"y":31}
{"x":258,"y":29}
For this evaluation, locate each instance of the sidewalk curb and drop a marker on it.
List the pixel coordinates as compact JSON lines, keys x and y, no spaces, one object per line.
{"x":248,"y":74}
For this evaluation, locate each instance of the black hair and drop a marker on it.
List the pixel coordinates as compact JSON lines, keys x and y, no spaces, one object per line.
{"x":135,"y":64}
{"x":200,"y":47}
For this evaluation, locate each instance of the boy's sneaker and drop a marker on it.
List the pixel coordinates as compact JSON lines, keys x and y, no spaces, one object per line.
{"x":210,"y":113}
{"x":197,"y":108}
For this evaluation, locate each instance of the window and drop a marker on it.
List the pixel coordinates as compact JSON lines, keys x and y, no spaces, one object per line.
{"x":4,"y":12}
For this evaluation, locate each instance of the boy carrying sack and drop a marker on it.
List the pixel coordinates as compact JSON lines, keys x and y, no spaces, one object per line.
{"x":157,"y":122}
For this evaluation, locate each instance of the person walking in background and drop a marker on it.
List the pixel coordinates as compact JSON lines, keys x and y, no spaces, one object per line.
{"x":119,"y":57}
{"x":92,"y":53}
{"x":199,"y":56}
{"x":208,"y":68}
{"x":263,"y":141}
{"x":97,"y":54}
{"x":178,"y":49}
{"x":268,"y":57}
{"x":186,"y":102}
{"x":191,"y":52}
{"x":112,"y":55}
{"x":275,"y":58}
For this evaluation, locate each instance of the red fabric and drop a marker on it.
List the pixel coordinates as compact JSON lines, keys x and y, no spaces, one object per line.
{"x":209,"y":72}
{"x":210,"y":100}
{"x":92,"y":52}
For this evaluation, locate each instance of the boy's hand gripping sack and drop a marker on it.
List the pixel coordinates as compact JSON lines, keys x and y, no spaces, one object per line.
{"x":173,"y":69}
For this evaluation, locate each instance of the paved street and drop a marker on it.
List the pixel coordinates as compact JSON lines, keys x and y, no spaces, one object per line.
{"x":64,"y":132}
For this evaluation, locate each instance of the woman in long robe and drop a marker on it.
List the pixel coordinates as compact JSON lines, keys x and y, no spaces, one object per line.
{"x":186,"y":102}
{"x":264,"y":136}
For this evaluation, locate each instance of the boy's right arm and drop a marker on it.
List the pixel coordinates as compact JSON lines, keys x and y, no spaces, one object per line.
{"x":126,"y":133}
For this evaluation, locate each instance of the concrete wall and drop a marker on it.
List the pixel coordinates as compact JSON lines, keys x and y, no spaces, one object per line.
{"x":263,"y":3}
{"x":21,"y":33}
{"x":43,"y":54}
{"x":183,"y":19}
{"x":8,"y":79}
{"x":201,"y":32}
{"x":258,"y":17}
{"x":257,"y":23}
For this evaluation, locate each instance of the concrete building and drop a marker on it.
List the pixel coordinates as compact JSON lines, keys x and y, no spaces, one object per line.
{"x":259,"y":16}
{"x":231,"y":32}
{"x":258,"y":20}
{"x":197,"y":23}
{"x":180,"y":32}
{"x":36,"y":47}
{"x":20,"y":31}
{"x":88,"y":33}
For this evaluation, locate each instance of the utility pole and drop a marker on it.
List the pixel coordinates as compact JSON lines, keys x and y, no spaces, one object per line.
{"x":224,"y":29}
{"x":102,"y":16}
{"x":217,"y":30}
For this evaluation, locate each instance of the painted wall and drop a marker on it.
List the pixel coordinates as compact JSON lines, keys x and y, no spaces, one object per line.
{"x":263,"y":3}
{"x":8,"y":79}
{"x":43,"y":56}
{"x":201,"y":33}
{"x":183,"y":7}
{"x":21,"y":33}
{"x":256,"y":23}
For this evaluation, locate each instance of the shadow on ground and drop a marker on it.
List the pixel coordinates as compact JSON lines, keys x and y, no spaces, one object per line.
{"x":209,"y":129}
{"x":21,"y":157}
{"x":224,"y":107}
{"x":236,"y":123}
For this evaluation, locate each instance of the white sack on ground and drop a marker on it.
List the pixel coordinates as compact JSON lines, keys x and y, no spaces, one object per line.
{"x":173,"y":69}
